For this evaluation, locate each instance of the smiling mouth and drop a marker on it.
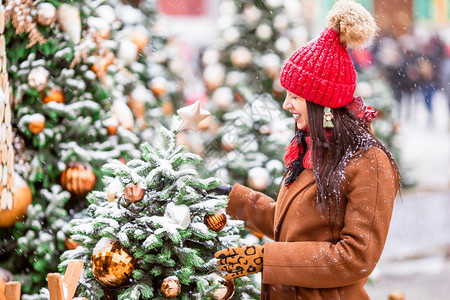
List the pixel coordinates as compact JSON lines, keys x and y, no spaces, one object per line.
{"x":296,"y":116}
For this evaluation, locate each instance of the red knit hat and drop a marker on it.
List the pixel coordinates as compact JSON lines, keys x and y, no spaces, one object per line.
{"x":321,"y":71}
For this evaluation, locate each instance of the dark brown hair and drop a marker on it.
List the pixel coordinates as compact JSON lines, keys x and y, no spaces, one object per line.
{"x":330,"y":155}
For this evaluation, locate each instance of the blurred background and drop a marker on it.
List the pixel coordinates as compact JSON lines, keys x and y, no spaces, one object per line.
{"x":405,"y":74}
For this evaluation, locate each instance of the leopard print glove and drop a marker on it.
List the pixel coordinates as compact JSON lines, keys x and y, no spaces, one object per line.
{"x":241,"y":261}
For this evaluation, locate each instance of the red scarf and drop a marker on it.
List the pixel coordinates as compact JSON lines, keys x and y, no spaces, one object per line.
{"x":293,"y":151}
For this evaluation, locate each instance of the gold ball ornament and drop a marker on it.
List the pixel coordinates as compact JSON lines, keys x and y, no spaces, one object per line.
{"x":167,"y":108}
{"x":112,"y":264}
{"x":140,"y":38}
{"x":225,"y":291}
{"x":78,"y":178}
{"x":158,"y":85}
{"x":216,"y":221}
{"x":133,"y":193}
{"x":21,"y":199}
{"x":111,"y":126}
{"x":55,"y":94}
{"x":70,"y":244}
{"x":396,"y":295}
{"x":36,"y":126}
{"x":46,"y":14}
{"x":171,"y":287}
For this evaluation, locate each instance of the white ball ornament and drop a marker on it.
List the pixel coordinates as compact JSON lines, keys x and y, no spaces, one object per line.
{"x":213,"y":76}
{"x":178,"y":214}
{"x":258,"y":178}
{"x":106,"y":12}
{"x":229,"y":141}
{"x":274,"y":3}
{"x":46,"y":14}
{"x":128,"y":51}
{"x":264,"y":32}
{"x":283,"y":44}
{"x":275,"y":165}
{"x":234,"y":77}
{"x":271,"y":64}
{"x":115,"y":190}
{"x":252,"y":14}
{"x":38,"y":78}
{"x":241,"y":57}
{"x":210,"y":56}
{"x":223,"y":97}
{"x":231,"y":35}
{"x":281,"y":22}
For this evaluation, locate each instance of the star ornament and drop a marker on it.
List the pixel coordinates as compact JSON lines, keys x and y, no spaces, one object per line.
{"x":191,"y":116}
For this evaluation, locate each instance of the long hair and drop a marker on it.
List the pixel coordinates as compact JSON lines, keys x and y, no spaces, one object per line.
{"x":350,"y":137}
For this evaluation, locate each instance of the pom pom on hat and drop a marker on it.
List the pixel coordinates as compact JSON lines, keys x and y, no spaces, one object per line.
{"x":321,"y":71}
{"x":353,"y":22}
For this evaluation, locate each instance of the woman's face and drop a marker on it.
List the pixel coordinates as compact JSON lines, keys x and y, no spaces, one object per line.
{"x":296,"y":105}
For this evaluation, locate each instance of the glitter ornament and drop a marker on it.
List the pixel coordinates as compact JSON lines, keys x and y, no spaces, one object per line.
{"x":171,"y":287}
{"x":38,"y":78}
{"x":78,"y":178}
{"x":112,"y":264}
{"x":46,"y":14}
{"x":216,"y":221}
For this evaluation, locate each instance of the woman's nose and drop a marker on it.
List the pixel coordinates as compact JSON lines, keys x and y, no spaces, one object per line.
{"x":286,"y":103}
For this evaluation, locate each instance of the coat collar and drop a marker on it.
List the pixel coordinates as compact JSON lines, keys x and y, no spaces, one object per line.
{"x":287,"y":195}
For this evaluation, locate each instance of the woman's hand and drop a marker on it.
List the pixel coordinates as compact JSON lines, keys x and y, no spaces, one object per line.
{"x":221,"y":189}
{"x":241,"y":261}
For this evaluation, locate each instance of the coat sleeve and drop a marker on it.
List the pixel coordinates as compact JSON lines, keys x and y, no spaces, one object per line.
{"x":254,"y":208}
{"x":370,"y":187}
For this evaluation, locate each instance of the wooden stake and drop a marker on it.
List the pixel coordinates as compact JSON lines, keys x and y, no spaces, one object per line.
{"x":9,"y":290}
{"x":70,"y":282}
{"x":73,"y":273}
{"x":55,"y":286}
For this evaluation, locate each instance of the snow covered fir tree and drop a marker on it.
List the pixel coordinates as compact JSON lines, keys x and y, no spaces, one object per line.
{"x":84,"y":86}
{"x":254,"y":39}
{"x":152,"y":233}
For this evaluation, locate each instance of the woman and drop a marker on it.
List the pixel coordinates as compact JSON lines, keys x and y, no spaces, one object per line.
{"x":333,"y":210}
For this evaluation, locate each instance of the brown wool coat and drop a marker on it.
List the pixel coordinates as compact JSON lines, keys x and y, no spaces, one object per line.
{"x":308,"y":259}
